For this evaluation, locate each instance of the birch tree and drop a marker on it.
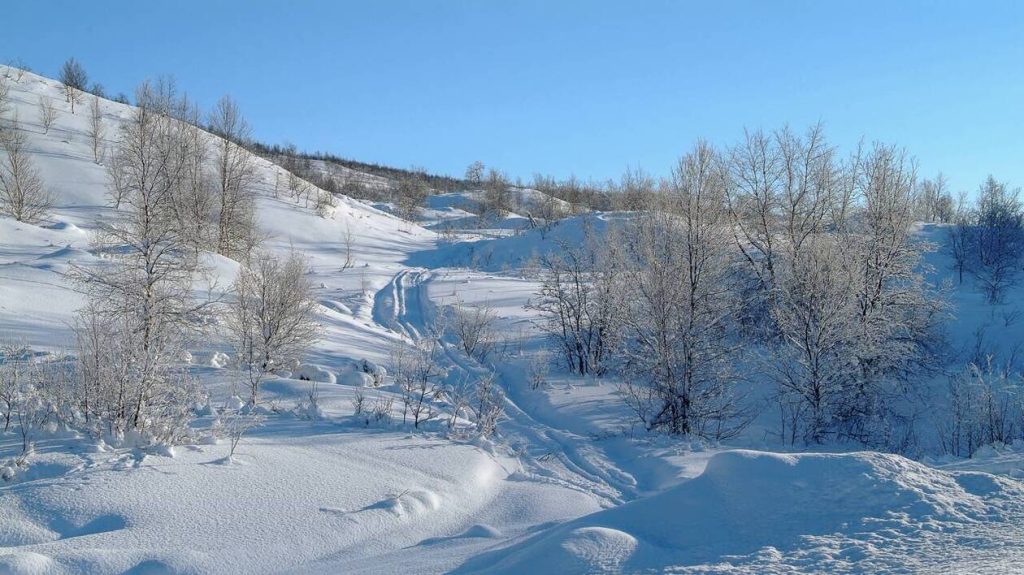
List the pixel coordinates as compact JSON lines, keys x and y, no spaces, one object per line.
{"x":235,"y":176}
{"x":679,"y":359}
{"x":23,"y":195}
{"x":272,"y":321}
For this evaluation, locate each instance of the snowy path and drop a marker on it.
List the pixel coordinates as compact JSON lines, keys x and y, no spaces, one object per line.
{"x":391,"y":308}
{"x":548,"y":454}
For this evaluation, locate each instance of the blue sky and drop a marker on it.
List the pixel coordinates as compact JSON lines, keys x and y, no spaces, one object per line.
{"x":567,"y":87}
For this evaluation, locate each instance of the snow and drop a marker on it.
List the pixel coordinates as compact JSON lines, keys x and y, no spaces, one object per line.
{"x":569,"y":484}
{"x":770,"y":513}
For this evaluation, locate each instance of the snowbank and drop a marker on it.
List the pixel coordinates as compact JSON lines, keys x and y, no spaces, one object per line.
{"x":755,"y":504}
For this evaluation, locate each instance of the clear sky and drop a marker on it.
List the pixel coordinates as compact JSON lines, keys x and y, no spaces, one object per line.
{"x":566,"y":87}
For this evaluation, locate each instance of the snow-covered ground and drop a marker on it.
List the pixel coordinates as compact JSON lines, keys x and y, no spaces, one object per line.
{"x":568,"y":485}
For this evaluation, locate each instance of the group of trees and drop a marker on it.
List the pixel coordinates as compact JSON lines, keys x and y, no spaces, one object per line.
{"x":177,"y":192}
{"x":23,"y":194}
{"x":987,"y":239}
{"x":774,"y":258}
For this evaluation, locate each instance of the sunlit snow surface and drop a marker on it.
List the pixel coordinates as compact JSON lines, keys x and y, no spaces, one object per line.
{"x":568,"y":486}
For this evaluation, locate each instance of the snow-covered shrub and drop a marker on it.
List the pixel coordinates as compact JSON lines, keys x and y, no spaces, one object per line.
{"x":377,"y":372}
{"x":986,"y":406}
{"x":538,"y":370}
{"x":473,"y":327}
{"x":579,"y":301}
{"x":417,"y":373}
{"x":488,"y":407}
{"x":232,"y":424}
{"x":382,"y":407}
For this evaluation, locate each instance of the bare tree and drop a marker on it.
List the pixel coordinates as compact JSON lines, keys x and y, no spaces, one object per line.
{"x":497,"y":200}
{"x":235,"y":176}
{"x":475,"y":174}
{"x":234,"y":424}
{"x":961,"y":239}
{"x":142,"y":308}
{"x":47,"y":113}
{"x":23,"y":196}
{"x":635,"y":190}
{"x":272,"y":321}
{"x":5,"y":91}
{"x":999,"y":238}
{"x":16,"y":68}
{"x":348,"y":242}
{"x":324,"y":203}
{"x":74,"y":81}
{"x":581,"y":301}
{"x":781,"y":192}
{"x":194,"y":198}
{"x":411,"y":194}
{"x":418,"y":373}
{"x":854,"y":314}
{"x":473,"y":327}
{"x":934,"y":202}
{"x":488,"y":408}
{"x":679,"y":362}
{"x":95,"y":130}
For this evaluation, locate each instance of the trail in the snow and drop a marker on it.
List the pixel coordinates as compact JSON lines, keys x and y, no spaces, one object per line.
{"x":548,"y":454}
{"x":389,"y":304}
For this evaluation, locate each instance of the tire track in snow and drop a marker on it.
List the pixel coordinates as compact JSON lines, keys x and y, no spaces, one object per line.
{"x":548,"y":454}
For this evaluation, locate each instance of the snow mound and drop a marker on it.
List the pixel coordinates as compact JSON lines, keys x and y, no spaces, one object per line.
{"x":412,"y":502}
{"x":26,"y":563}
{"x":310,"y":372}
{"x":747,"y":501}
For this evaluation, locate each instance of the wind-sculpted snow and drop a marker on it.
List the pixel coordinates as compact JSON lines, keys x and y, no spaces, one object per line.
{"x":756,"y":512}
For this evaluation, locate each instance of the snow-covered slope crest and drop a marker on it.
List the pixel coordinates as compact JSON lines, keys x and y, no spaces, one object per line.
{"x":771,"y":512}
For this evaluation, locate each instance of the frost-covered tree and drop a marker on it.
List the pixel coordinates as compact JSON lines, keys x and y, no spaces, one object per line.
{"x":853,"y":312}
{"x":272,"y":321}
{"x":488,"y":405}
{"x":23,"y":195}
{"x":498,"y":198}
{"x":142,"y":310}
{"x":581,"y":301}
{"x":780,"y":192}
{"x":418,"y":375}
{"x":984,"y":405}
{"x":5,"y":92}
{"x":635,"y":190}
{"x":475,"y":174}
{"x":934,"y":201}
{"x":679,"y":359}
{"x":999,"y":238}
{"x":234,"y":175}
{"x":473,"y":328}
{"x":960,"y":239}
{"x":811,"y":361}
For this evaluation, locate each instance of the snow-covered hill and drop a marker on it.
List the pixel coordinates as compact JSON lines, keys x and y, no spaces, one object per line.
{"x":566,"y":486}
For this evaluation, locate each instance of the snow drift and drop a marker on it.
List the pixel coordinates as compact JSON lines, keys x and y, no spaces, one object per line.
{"x":754,"y":504}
